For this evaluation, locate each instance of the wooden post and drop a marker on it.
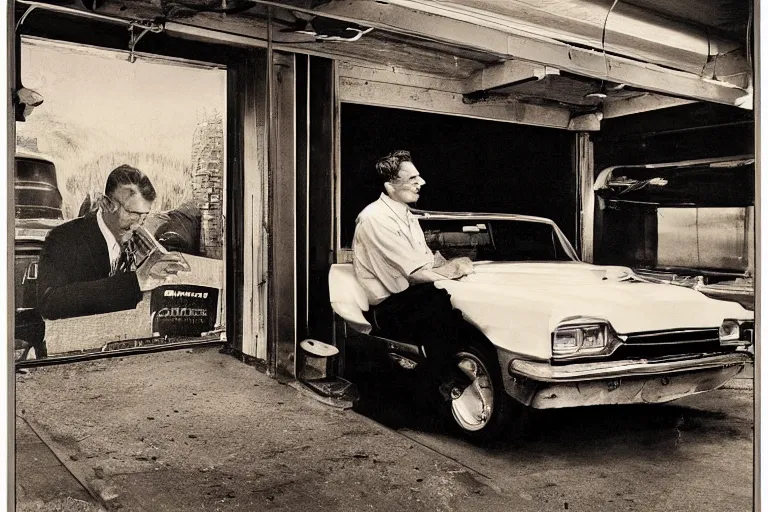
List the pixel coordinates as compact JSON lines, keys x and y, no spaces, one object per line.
{"x":282,"y":216}
{"x":246,"y":141}
{"x":321,"y":198}
{"x":585,"y":175}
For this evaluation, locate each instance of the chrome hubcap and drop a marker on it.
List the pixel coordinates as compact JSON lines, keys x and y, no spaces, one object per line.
{"x":472,"y":406}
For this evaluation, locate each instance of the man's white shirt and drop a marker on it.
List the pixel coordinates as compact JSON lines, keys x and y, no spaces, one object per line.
{"x":112,"y":245}
{"x":388,"y":246}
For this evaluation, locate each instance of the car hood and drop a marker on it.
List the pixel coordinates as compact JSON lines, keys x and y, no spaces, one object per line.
{"x":518,"y":305}
{"x":513,"y":303}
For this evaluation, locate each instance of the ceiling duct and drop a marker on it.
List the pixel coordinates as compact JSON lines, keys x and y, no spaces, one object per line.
{"x":686,"y":40}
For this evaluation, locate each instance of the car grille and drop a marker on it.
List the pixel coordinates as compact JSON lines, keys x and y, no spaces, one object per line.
{"x":663,"y":343}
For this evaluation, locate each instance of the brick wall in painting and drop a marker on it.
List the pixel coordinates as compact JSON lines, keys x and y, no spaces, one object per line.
{"x":207,"y":183}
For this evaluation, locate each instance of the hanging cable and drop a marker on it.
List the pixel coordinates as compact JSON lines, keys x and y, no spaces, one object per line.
{"x":605,"y":26}
{"x":601,"y":93}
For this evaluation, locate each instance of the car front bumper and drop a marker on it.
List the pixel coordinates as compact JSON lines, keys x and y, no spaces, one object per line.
{"x":545,"y":386}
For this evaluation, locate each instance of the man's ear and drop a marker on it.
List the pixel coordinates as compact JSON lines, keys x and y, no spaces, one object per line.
{"x":389,"y":188}
{"x":108,"y":204}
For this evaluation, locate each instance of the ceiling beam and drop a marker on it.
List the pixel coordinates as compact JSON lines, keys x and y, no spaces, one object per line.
{"x":638,"y":104}
{"x":372,"y":72}
{"x":507,"y":73}
{"x":508,"y":44}
{"x":423,"y":99}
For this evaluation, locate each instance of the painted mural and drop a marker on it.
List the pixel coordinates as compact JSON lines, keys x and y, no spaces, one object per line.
{"x":119,"y":202}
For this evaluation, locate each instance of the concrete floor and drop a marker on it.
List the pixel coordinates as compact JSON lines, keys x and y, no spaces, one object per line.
{"x":198,"y":430}
{"x":694,"y":454}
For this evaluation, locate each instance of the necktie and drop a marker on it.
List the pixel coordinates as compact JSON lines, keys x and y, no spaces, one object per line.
{"x":127,"y":257}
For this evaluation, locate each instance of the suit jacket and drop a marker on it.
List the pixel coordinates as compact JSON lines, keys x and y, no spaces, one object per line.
{"x":73,"y":277}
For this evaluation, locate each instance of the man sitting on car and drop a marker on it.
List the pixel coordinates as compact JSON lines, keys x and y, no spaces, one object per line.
{"x":397,"y":270}
{"x":85,"y":265}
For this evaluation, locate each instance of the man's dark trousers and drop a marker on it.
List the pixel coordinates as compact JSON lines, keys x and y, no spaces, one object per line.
{"x":423,"y":315}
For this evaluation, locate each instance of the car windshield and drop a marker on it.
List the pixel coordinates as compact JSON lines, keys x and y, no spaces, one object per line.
{"x":38,"y":171}
{"x":495,"y":240}
{"x":36,"y":194}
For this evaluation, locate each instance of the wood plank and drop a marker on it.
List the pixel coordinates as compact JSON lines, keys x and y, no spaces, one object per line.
{"x":282,"y":207}
{"x":507,"y":73}
{"x":586,"y":174}
{"x":378,"y":47}
{"x":254,"y":141}
{"x":373,"y":72}
{"x":421,"y":99}
{"x":640,"y":104}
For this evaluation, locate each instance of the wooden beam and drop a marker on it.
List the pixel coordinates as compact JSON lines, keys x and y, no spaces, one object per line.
{"x":372,"y":72}
{"x":585,"y":123}
{"x":506,"y":73}
{"x":355,"y":90}
{"x":506,"y":44}
{"x":640,"y":104}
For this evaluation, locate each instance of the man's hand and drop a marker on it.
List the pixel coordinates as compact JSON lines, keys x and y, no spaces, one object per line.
{"x":455,"y":268}
{"x":152,"y":275}
{"x":439,"y":260}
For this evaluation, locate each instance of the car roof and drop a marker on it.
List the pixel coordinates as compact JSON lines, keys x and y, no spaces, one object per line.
{"x":33,"y":156}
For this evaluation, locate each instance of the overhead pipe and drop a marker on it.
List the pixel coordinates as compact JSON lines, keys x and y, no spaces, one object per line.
{"x":630,"y":31}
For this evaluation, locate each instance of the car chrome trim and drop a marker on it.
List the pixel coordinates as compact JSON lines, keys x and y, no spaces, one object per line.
{"x":399,"y":345}
{"x":657,"y":343}
{"x":404,"y":362}
{"x":649,"y":334}
{"x":545,"y":372}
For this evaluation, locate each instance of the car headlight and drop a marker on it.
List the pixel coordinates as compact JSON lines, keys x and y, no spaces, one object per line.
{"x":736,"y":332}
{"x":581,"y":340}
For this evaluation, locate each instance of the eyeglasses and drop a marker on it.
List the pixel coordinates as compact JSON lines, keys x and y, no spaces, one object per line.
{"x":142,"y":216}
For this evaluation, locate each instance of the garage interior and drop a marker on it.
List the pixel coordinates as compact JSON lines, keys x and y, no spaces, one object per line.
{"x":558,"y":92}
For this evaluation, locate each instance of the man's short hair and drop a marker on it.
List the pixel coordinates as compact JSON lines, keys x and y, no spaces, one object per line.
{"x":125,"y":175}
{"x":388,"y":167}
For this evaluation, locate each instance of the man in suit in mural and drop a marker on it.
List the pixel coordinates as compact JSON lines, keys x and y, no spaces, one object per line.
{"x":86,"y":265}
{"x":397,"y":270}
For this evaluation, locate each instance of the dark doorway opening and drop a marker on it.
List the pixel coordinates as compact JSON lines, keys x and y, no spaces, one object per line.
{"x":468,"y":164}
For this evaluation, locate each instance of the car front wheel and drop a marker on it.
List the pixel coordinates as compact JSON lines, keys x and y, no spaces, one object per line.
{"x":478,"y":404}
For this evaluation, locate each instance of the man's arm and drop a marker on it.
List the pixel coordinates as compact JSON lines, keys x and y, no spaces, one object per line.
{"x":60,"y":298}
{"x":453,"y":269}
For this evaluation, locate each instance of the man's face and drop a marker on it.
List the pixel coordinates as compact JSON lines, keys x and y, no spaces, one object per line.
{"x":406,"y":187}
{"x":125,"y":212}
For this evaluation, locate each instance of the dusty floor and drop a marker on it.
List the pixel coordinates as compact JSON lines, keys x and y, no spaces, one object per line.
{"x":198,"y":430}
{"x":694,"y":454}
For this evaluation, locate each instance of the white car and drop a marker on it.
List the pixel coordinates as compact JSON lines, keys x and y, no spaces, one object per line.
{"x":550,"y":331}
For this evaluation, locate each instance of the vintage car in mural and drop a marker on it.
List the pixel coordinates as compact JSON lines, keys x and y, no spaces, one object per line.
{"x":37,"y":206}
{"x":550,"y":331}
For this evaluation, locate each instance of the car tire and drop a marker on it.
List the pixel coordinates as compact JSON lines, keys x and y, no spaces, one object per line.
{"x":481,"y":411}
